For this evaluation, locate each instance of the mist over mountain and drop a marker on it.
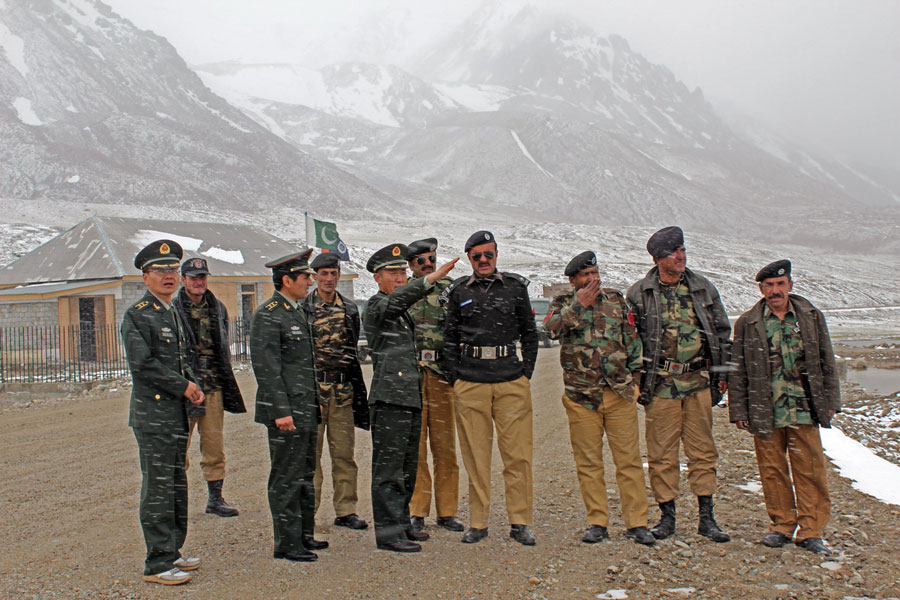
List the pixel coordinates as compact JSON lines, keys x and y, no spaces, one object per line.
{"x":522,"y":110}
{"x":94,"y":109}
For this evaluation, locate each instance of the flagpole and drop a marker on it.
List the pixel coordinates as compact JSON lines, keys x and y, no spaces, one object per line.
{"x":306,"y":228}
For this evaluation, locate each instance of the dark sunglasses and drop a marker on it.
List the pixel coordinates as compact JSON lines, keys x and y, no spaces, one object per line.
{"x":488,"y":254}
{"x":421,"y":260}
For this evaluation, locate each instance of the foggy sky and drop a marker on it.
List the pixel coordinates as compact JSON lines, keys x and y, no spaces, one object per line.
{"x":823,"y":72}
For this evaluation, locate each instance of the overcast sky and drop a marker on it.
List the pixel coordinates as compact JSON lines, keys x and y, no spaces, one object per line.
{"x":824,"y":72}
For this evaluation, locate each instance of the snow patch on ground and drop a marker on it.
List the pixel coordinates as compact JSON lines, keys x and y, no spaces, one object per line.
{"x":230,"y":256}
{"x":25,"y":112}
{"x":14,"y":48}
{"x":145,"y":236}
{"x":478,"y":98}
{"x":74,"y":179}
{"x":528,"y":155}
{"x":870,"y":474}
{"x":753,"y":487}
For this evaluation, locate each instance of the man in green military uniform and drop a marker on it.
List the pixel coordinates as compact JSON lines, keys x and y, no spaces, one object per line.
{"x":685,"y":333}
{"x":334,"y":321}
{"x":281,"y":352}
{"x":207,"y":332}
{"x":438,"y":412}
{"x":783,"y":388}
{"x":600,"y":354}
{"x":396,"y":396}
{"x":163,"y":384}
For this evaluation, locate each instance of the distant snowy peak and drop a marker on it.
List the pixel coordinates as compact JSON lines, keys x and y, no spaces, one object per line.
{"x":556,"y":57}
{"x":385,"y":95}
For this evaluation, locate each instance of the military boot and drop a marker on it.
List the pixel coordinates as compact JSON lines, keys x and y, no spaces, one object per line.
{"x":708,"y":526}
{"x":666,"y":525}
{"x":216,"y":505}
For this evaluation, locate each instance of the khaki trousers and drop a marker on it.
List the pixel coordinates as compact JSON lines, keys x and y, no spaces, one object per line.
{"x":667,"y":423}
{"x":336,"y":400}
{"x":438,"y":427}
{"x":212,"y":438}
{"x":813,"y":504}
{"x":507,"y":406}
{"x":617,"y":418}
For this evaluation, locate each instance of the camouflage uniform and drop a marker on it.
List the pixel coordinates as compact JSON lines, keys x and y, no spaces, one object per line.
{"x":334,"y":352}
{"x":784,"y":385}
{"x":600,"y":351}
{"x":438,"y":415}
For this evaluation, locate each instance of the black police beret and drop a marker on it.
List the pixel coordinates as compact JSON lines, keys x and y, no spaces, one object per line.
{"x":421,"y":247}
{"x":580,"y":262}
{"x":160,"y":254}
{"x":779,"y":268}
{"x":195,"y":266}
{"x":325,"y":260}
{"x":665,"y":241}
{"x":478,"y":238}
{"x":291,"y":263}
{"x":389,"y":257}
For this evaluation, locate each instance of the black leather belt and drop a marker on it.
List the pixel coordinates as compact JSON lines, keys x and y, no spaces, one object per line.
{"x":677,"y":368}
{"x":332,"y":377}
{"x":488,"y":352}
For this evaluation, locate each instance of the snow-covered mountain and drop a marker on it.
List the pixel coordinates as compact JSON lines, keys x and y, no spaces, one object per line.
{"x":94,"y":109}
{"x":518,"y":109}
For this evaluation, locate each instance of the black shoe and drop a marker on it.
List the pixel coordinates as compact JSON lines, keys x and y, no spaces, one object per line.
{"x":707,"y":526}
{"x":594,"y":534}
{"x":815,"y":545}
{"x":351,"y":521}
{"x":640,"y":535}
{"x":314,"y":544}
{"x":297,"y":555}
{"x":451,"y":523}
{"x":401,"y":546}
{"x":473,"y":535}
{"x":216,"y":505}
{"x":416,"y":536}
{"x":666,"y":525}
{"x":774,"y":539}
{"x":522,"y":534}
{"x":417,"y":523}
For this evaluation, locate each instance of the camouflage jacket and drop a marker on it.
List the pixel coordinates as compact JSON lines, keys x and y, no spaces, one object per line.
{"x":428,"y":314}
{"x":786,"y":356}
{"x":681,"y":342}
{"x":600,"y":346}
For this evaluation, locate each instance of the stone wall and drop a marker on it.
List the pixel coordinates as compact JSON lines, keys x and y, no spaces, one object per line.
{"x":29,"y":314}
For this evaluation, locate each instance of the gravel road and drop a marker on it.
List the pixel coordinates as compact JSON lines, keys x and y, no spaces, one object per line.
{"x":69,"y":526}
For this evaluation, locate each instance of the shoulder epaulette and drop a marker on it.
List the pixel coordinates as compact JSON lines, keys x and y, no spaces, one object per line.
{"x":142,"y":305}
{"x":445,"y":295}
{"x":271,"y":305}
{"x":524,"y":281}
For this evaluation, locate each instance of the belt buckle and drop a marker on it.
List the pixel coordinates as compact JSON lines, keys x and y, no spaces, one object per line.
{"x":677,"y":368}
{"x":428,"y":355}
{"x":488,"y":352}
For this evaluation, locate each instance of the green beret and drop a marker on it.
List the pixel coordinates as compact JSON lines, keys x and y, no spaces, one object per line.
{"x":779,"y":268}
{"x":581,"y":262}
{"x":389,"y":257}
{"x":161,"y":254}
{"x":421,"y":247}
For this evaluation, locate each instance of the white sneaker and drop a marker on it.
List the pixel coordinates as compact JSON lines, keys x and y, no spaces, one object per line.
{"x":171,"y":577}
{"x":187,"y":564}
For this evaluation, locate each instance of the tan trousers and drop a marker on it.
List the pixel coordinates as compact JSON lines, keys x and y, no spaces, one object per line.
{"x":438,"y":427}
{"x":616,"y":417}
{"x":212,"y":438}
{"x":813,"y":504}
{"x":336,"y":400}
{"x":669,"y":422}
{"x":507,"y":406}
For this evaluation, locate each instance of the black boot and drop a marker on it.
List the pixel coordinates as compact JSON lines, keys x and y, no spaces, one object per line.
{"x":216,"y":505}
{"x":666,"y":525}
{"x":708,"y":526}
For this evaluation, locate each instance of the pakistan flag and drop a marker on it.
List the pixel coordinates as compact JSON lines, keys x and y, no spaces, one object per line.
{"x":327,"y":238}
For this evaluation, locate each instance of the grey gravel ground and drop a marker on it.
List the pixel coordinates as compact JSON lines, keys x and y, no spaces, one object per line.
{"x":69,"y":526}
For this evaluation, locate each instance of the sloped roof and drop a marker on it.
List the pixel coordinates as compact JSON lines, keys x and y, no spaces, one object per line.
{"x":104,"y":248}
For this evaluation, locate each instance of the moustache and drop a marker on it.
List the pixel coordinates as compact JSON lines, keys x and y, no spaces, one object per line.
{"x":776,"y":296}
